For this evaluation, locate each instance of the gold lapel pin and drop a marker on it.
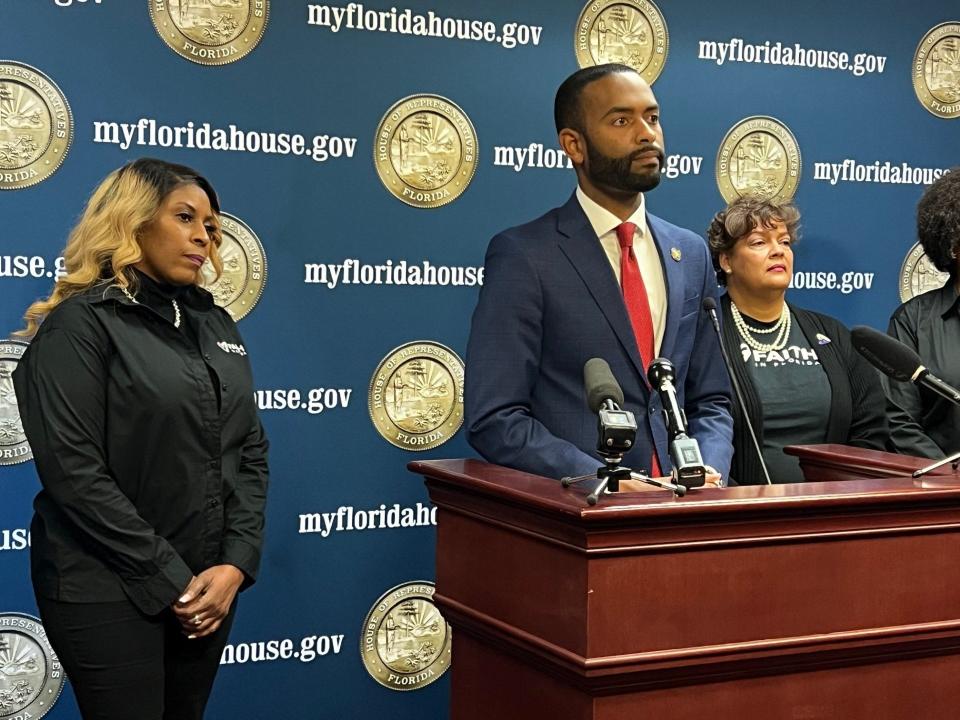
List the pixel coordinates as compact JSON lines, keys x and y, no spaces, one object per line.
{"x":676,"y":254}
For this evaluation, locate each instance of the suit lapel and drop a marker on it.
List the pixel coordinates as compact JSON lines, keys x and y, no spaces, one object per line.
{"x":581,"y":246}
{"x":673,"y":277}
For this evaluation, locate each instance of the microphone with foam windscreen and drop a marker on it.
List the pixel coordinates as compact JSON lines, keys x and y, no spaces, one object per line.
{"x":893,"y":358}
{"x":600,"y":384}
{"x":616,"y":428}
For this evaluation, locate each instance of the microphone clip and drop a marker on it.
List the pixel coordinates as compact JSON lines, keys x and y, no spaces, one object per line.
{"x":616,"y":430}
{"x":688,"y":467}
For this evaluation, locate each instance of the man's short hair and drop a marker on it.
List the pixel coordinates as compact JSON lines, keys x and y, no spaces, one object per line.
{"x":567,"y":110}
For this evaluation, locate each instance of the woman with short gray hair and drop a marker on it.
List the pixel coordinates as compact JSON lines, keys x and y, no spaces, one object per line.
{"x":802,"y":381}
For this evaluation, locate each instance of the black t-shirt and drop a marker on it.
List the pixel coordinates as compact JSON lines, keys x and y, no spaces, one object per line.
{"x":795,"y":394}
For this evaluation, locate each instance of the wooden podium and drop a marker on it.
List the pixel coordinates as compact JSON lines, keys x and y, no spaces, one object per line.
{"x":835,"y":599}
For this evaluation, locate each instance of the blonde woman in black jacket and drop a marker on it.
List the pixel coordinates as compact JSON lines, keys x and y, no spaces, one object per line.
{"x":136,"y":398}
{"x":803,"y":383}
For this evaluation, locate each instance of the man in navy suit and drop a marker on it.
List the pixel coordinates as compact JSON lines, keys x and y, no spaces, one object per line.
{"x":552,"y":299}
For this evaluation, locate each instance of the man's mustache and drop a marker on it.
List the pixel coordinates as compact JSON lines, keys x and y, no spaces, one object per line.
{"x":643,"y":151}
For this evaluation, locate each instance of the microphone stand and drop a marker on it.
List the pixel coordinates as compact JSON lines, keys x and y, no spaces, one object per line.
{"x":953,"y":459}
{"x":612,"y":472}
{"x":923,"y":378}
{"x":737,"y":390}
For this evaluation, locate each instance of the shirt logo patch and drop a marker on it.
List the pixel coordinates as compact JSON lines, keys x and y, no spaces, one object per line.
{"x":822,"y":339}
{"x":232,"y":348}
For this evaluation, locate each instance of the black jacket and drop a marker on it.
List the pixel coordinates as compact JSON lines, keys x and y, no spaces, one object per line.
{"x":923,"y":423}
{"x":856,"y":398}
{"x":147,"y":443}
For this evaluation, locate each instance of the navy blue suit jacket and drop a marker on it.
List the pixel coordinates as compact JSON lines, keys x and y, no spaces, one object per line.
{"x":550,"y":301}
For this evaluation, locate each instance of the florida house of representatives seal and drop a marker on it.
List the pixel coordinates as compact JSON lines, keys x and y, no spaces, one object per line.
{"x":210,"y":32}
{"x":918,"y":274}
{"x":416,"y":395}
{"x":758,"y":156}
{"x":630,"y":32}
{"x":405,"y":642}
{"x":425,"y":151}
{"x":31,"y":677}
{"x":13,"y":442}
{"x":244,"y":275}
{"x":936,"y":70}
{"x":36,"y":126}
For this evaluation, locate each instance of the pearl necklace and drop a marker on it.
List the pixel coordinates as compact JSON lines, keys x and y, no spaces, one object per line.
{"x":176,"y":308}
{"x":781,"y":327}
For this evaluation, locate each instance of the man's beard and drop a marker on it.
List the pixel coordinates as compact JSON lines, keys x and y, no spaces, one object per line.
{"x":615,"y":172}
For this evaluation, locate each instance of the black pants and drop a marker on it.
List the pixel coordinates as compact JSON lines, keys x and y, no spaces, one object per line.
{"x":124,"y":664}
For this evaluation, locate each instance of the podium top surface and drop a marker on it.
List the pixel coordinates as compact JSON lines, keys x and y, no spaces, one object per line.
{"x":891,"y":484}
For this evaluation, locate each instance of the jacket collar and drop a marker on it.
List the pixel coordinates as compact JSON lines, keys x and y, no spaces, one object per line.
{"x":602,"y":220}
{"x":192,"y":296}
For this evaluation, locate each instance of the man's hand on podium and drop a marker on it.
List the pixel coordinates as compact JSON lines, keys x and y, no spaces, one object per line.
{"x":713,"y":479}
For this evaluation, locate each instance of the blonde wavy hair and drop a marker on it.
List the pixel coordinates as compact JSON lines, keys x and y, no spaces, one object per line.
{"x":104,"y":244}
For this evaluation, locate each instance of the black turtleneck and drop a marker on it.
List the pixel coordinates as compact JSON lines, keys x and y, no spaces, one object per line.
{"x":160,"y":296}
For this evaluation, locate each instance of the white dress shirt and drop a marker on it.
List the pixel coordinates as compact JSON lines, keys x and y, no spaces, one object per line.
{"x":605,"y":224}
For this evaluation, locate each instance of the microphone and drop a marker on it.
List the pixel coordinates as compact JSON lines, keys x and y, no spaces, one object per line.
{"x":684,"y":450}
{"x":661,"y":375}
{"x":600,"y":384}
{"x":710,"y":306}
{"x":617,"y":431}
{"x":616,"y":428}
{"x":893,"y":358}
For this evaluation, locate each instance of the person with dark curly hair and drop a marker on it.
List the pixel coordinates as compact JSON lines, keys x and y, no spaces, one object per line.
{"x":922,"y":423}
{"x":802,"y":381}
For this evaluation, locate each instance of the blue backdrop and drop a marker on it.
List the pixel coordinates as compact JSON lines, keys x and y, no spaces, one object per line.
{"x":113,"y":67}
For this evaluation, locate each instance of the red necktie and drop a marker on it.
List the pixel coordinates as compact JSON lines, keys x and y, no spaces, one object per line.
{"x":638,"y":306}
{"x":635,"y":293}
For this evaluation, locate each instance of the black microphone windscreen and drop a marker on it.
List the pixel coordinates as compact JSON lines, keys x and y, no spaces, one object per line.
{"x":888,"y":355}
{"x":660,"y":369}
{"x":600,"y":384}
{"x":709,"y":303}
